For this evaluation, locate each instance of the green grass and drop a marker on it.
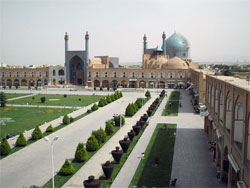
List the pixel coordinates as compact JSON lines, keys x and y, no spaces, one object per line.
{"x":61,"y":180}
{"x":161,"y":146}
{"x":172,"y":105}
{"x":13,"y":95}
{"x":27,"y":118}
{"x":58,"y":100}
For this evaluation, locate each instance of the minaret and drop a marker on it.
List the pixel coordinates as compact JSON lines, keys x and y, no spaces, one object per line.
{"x":87,"y":48}
{"x":144,"y":43}
{"x":66,"y":38}
{"x":164,"y":44}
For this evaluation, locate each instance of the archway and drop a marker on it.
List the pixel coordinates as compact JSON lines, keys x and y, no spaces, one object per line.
{"x":39,"y":82}
{"x":238,"y":124}
{"x":2,"y":82}
{"x":142,"y":84}
{"x":9,"y":82}
{"x":76,"y":67}
{"x":96,"y":83}
{"x":132,"y":84}
{"x":105,"y":84}
{"x":61,"y":72}
{"x":24,"y":82}
{"x":151,"y":84}
{"x":45,"y":82}
{"x":16,"y":82}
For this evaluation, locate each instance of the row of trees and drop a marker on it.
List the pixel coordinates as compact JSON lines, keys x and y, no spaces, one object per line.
{"x":132,"y":108}
{"x":93,"y":143}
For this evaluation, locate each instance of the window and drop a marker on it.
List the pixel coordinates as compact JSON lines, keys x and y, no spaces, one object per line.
{"x":106,"y":74}
{"x":54,"y":72}
{"x":216,"y":101}
{"x":96,"y":74}
{"x":133,"y":75}
{"x":9,"y":75}
{"x":115,"y":74}
{"x":32,"y":74}
{"x":46,"y":74}
{"x":61,"y":72}
{"x":124,"y":74}
{"x":228,"y":112}
{"x":89,"y":74}
{"x":171,"y":75}
{"x":40,"y":74}
{"x":16,"y":74}
{"x":24,"y":74}
{"x":142,"y":74}
{"x":221,"y":108}
{"x":2,"y":74}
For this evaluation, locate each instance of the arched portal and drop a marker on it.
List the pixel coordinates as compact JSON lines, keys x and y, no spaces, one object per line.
{"x":114,"y":84}
{"x":225,"y":167}
{"x":39,"y":82}
{"x":123,"y":84}
{"x":9,"y":82}
{"x":132,"y":84}
{"x":76,"y":67}
{"x":142,"y":84}
{"x":16,"y":82}
{"x":105,"y":84}
{"x":31,"y":83}
{"x":161,"y":84}
{"x":24,"y":82}
{"x":96,"y":83}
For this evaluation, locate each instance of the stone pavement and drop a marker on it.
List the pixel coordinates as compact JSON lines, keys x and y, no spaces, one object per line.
{"x":93,"y":166}
{"x":43,"y":106}
{"x":192,"y":161}
{"x":32,"y":165}
{"x":21,"y":97}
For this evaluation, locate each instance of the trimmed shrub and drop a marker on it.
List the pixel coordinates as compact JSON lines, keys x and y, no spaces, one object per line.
{"x":66,"y":120}
{"x":71,"y":119}
{"x":33,"y":98}
{"x":121,"y":94}
{"x":92,"y":144}
{"x":81,"y":153}
{"x":2,"y":99}
{"x":100,"y":135}
{"x":94,"y":107}
{"x":117,"y":120}
{"x":50,"y":129}
{"x":79,"y":99}
{"x":135,"y":107}
{"x":43,"y":99}
{"x":21,"y":141}
{"x":148,"y":94}
{"x":108,"y":99}
{"x":101,"y":103}
{"x":112,"y":98}
{"x":65,"y":95}
{"x":129,"y":110}
{"x":5,"y":147}
{"x":105,"y":101}
{"x":37,"y":133}
{"x":138,"y":103}
{"x":89,"y":111}
{"x":116,"y":96}
{"x":109,"y":129}
{"x":67,"y":169}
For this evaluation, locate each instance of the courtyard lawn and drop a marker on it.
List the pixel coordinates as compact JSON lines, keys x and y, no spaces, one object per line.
{"x":58,"y":100}
{"x":172,"y":105}
{"x":155,"y":169}
{"x":14,"y":95}
{"x":27,"y":118}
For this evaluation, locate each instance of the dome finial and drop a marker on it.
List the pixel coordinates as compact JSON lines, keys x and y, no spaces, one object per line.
{"x":163,"y":35}
{"x":144,"y":37}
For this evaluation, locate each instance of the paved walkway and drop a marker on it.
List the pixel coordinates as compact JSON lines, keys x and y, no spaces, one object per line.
{"x":43,"y":106}
{"x":192,"y":163}
{"x":93,"y":166}
{"x":32,"y":165}
{"x":21,"y":97}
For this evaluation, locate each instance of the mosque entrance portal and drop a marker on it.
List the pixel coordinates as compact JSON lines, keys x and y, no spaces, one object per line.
{"x":76,"y":67}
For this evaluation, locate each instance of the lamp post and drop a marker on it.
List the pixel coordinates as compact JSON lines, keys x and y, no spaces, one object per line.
{"x":120,"y":122}
{"x":52,"y":159}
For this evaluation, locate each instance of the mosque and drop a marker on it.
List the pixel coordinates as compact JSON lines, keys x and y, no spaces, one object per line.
{"x":167,"y":66}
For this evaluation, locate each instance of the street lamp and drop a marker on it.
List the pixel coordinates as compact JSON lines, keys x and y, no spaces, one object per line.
{"x":120,"y":122}
{"x":52,"y":160}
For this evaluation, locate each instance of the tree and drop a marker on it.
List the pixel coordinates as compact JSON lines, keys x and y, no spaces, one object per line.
{"x":148,"y":94}
{"x":92,"y":144}
{"x":43,"y":99}
{"x":117,"y":120}
{"x":121,"y":94}
{"x":37,"y":133}
{"x":100,"y":135}
{"x":112,"y":98}
{"x":66,"y":120}
{"x":135,"y":107}
{"x":50,"y":129}
{"x":94,"y":107}
{"x":21,"y":140}
{"x":109,"y":99}
{"x":5,"y":147}
{"x":2,"y":99}
{"x":109,"y":129}
{"x":67,"y":169}
{"x":101,"y":103}
{"x":116,"y":95}
{"x":81,"y":153}
{"x":138,"y":103}
{"x":129,"y":110}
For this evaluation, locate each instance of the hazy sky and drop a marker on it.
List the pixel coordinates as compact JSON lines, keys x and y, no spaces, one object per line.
{"x":32,"y":31}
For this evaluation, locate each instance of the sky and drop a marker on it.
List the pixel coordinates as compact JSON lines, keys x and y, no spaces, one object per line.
{"x":32,"y":31}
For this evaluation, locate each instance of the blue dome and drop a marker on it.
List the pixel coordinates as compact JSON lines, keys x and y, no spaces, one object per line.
{"x":177,"y":45}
